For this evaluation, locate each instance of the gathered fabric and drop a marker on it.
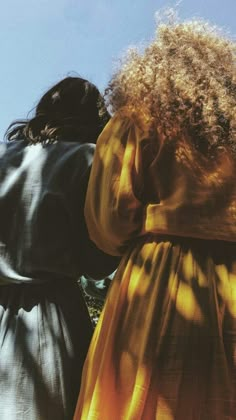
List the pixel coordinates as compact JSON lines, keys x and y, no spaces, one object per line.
{"x":45,"y":332}
{"x":165,"y":344}
{"x":45,"y":327}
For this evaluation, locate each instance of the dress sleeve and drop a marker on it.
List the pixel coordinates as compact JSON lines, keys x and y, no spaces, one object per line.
{"x":113,"y":209}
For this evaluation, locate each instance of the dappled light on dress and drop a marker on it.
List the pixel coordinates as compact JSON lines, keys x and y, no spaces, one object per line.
{"x":227,"y":287}
{"x":164,"y":347}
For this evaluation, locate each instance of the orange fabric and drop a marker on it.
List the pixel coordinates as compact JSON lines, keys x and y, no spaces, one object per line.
{"x":190,"y":196}
{"x":165,"y":344}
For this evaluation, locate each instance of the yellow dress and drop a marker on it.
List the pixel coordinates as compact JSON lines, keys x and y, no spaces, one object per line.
{"x":165,"y":344}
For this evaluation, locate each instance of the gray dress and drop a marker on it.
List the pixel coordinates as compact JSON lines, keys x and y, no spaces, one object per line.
{"x":45,"y":328}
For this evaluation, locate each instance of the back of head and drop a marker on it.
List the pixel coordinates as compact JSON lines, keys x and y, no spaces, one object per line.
{"x":71,"y":110}
{"x":182,"y":87}
{"x":183,"y":81}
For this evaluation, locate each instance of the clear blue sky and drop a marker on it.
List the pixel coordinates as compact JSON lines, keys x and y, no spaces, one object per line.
{"x":42,"y":41}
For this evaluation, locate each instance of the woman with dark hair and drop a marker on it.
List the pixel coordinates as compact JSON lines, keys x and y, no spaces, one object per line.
{"x":45,"y":327}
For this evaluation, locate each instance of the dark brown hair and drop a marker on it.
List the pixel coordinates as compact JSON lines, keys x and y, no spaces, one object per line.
{"x":71,"y":110}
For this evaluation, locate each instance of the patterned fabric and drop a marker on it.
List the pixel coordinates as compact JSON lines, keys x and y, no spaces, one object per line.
{"x":45,"y":327}
{"x":165,"y":344}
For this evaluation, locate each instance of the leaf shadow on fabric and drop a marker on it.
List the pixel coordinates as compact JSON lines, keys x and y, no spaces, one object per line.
{"x":172,"y":331}
{"x":45,"y":334}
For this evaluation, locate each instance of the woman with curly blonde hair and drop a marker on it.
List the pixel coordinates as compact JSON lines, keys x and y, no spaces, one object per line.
{"x":165,"y":166}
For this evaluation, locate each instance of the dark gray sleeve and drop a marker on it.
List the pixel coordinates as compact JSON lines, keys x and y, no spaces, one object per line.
{"x":94,"y":262}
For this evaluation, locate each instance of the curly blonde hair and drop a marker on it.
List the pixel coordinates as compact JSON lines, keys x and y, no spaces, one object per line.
{"x":184,"y":80}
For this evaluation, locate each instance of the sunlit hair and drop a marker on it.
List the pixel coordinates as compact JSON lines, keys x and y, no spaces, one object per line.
{"x":183,"y":82}
{"x":72,"y":110}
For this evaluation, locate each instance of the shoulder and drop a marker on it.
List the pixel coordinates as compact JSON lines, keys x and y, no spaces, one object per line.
{"x":122,"y":125}
{"x":130,"y":119}
{"x":11,"y":146}
{"x":83,"y":154}
{"x":63,"y":152}
{"x":12,"y":153}
{"x":64,"y":160}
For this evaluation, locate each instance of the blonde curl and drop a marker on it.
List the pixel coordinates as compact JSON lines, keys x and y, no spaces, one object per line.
{"x":183,"y":81}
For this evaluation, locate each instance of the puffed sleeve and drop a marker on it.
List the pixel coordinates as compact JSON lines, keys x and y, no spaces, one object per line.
{"x":113,"y":209}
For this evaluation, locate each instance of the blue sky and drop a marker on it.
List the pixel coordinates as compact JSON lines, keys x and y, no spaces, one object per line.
{"x":42,"y":41}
